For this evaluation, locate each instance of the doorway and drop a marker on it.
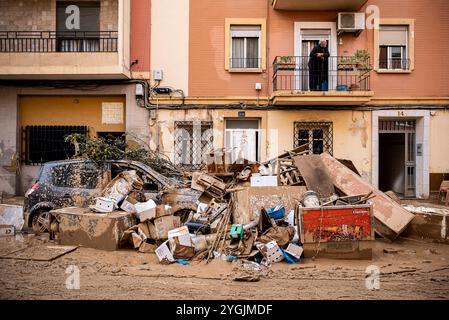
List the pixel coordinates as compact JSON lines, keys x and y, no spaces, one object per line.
{"x":397,"y":158}
{"x":242,"y":139}
{"x":310,"y":38}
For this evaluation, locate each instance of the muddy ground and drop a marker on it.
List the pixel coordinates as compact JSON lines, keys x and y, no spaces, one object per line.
{"x":410,"y":270}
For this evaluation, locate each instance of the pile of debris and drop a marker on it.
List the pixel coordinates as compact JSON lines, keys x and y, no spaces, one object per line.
{"x":289,"y":208}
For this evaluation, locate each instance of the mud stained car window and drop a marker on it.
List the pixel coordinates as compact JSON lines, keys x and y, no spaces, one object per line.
{"x":76,"y":175}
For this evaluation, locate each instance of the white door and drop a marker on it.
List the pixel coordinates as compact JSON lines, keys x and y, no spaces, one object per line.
{"x":242,"y":139}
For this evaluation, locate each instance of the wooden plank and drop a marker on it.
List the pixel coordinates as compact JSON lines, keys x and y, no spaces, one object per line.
{"x":40,"y":253}
{"x":315,"y":175}
{"x":391,"y":219}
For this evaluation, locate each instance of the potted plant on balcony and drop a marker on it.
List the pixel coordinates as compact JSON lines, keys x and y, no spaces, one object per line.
{"x":346,"y":63}
{"x":286,"y":63}
{"x":361,"y":59}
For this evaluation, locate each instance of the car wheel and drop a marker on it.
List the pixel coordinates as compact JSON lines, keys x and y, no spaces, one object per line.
{"x":41,"y":222}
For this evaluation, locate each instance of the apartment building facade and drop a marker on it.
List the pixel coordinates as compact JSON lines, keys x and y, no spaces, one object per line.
{"x":236,"y":74}
{"x":64,"y":68}
{"x":243,"y":68}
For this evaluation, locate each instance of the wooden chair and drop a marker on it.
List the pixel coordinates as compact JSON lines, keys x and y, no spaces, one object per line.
{"x":444,"y":190}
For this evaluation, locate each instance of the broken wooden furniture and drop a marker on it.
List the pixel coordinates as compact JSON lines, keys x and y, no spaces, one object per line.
{"x":390,"y":218}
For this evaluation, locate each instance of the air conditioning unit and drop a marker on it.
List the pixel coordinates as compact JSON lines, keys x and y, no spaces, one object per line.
{"x":351,"y":22}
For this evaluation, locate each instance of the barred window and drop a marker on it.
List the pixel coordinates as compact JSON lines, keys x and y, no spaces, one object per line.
{"x":193,"y":141}
{"x":318,"y":135}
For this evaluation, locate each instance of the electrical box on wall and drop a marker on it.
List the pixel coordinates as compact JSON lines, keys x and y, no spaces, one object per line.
{"x":258,"y":86}
{"x":158,"y":75}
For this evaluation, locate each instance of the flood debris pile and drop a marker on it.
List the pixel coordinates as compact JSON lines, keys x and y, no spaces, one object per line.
{"x":292,"y":207}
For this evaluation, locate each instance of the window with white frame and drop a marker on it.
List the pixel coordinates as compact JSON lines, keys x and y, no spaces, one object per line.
{"x":393,"y":47}
{"x":245,"y":47}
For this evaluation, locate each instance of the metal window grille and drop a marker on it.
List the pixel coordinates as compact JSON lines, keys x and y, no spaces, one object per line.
{"x":318,"y":135}
{"x":46,"y":143}
{"x":193,"y":141}
{"x":390,"y":125}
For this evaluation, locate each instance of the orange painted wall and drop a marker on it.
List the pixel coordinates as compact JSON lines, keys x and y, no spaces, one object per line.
{"x":207,"y":76}
{"x":140,"y":34}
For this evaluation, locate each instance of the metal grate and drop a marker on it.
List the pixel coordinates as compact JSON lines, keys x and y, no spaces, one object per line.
{"x":46,"y":143}
{"x":319,"y":136}
{"x":193,"y":141}
{"x":386,"y":126}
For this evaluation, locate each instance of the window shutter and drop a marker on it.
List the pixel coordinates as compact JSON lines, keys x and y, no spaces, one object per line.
{"x":393,"y":35}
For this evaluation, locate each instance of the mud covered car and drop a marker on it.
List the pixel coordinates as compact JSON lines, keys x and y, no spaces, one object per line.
{"x":77,"y":182}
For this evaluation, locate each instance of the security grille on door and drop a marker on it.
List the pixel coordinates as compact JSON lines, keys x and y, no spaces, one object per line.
{"x":318,"y":135}
{"x":193,"y":140}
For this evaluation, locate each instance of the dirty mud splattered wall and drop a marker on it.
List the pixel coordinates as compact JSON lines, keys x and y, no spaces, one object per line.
{"x":72,"y":110}
{"x":351,"y":131}
{"x":439,"y":147}
{"x":8,"y":140}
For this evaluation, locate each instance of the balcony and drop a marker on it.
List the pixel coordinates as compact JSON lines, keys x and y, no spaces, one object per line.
{"x":43,"y":47}
{"x":317,"y":5}
{"x":344,"y":81}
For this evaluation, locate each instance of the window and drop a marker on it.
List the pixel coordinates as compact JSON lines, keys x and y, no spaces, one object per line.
{"x":47,"y":143}
{"x":84,"y":39}
{"x":318,"y":135}
{"x":393,"y":47}
{"x":77,"y":175}
{"x":245,"y":47}
{"x":193,"y":141}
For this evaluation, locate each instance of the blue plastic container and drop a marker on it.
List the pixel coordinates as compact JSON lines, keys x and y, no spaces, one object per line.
{"x":342,"y":87}
{"x":276,"y":212}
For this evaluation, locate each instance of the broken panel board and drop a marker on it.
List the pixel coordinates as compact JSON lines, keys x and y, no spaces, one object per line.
{"x":315,"y":175}
{"x":39,"y":253}
{"x":390,"y":218}
{"x":250,"y":201}
{"x":428,"y":224}
{"x":11,"y":215}
{"x":79,"y":226}
{"x":341,"y":232}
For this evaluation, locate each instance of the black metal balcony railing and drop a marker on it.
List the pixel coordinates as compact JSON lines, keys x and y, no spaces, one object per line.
{"x":394,"y":64}
{"x":55,"y":41}
{"x":245,"y":63}
{"x":295,"y":73}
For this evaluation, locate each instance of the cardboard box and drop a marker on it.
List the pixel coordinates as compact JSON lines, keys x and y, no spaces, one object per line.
{"x":80,"y":226}
{"x":146,"y":210}
{"x":163,"y":225}
{"x":294,"y":250}
{"x":137,"y":240}
{"x":146,"y":247}
{"x":128,"y":204}
{"x":6,"y":230}
{"x":163,"y":252}
{"x":182,"y":234}
{"x":163,"y":210}
{"x":180,"y":251}
{"x":104,"y":205}
{"x":274,"y":253}
{"x":264,"y":181}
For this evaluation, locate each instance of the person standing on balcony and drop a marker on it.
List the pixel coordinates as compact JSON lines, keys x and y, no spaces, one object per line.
{"x":318,"y":67}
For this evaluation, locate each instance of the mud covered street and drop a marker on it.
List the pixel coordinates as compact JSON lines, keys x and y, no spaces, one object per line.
{"x":409,"y":270}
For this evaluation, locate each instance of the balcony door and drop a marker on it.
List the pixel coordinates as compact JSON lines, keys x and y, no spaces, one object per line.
{"x":309,"y":39}
{"x":307,"y":36}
